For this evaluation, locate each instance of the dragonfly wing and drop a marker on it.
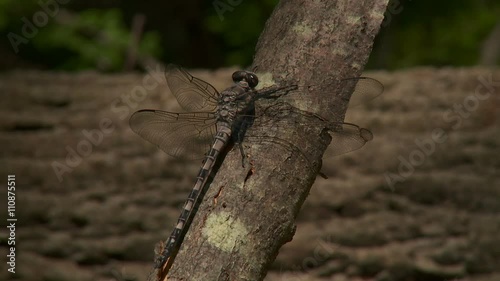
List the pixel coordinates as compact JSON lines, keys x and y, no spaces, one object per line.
{"x":193,"y":94}
{"x":365,"y":89}
{"x":347,"y":137}
{"x":187,"y":135}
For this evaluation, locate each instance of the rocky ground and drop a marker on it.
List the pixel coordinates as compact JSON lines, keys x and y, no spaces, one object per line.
{"x":419,"y":202}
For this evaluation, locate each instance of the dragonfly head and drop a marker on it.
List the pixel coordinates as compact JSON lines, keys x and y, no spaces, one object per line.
{"x":249,"y":77}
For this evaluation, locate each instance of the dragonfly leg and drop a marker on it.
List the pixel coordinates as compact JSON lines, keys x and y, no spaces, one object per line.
{"x":243,"y":156}
{"x":239,"y":142}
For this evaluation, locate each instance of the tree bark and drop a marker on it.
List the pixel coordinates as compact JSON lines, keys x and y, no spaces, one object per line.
{"x":249,"y":212}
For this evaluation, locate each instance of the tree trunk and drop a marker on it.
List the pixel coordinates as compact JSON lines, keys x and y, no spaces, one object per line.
{"x":491,"y":46}
{"x":248,"y":213}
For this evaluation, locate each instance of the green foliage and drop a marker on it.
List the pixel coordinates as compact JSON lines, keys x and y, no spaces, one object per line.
{"x":93,"y":38}
{"x":14,"y":9}
{"x":240,"y":27}
{"x":97,"y":38}
{"x":423,"y":32}
{"x":440,"y":33}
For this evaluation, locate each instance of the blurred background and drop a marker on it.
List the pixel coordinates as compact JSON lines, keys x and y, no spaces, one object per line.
{"x":98,"y":34}
{"x":382,"y":215}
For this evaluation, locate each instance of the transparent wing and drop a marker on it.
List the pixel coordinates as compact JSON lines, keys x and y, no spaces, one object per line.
{"x":187,"y":135}
{"x":193,"y":94}
{"x":346,"y":137}
{"x":365,"y":89}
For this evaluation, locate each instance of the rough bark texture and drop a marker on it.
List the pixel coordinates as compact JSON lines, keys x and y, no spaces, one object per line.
{"x":248,"y":213}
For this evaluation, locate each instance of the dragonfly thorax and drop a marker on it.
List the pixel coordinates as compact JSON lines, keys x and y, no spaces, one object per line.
{"x":235,"y":101}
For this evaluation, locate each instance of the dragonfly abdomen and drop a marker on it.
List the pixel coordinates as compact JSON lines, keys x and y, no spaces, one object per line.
{"x":173,"y":243}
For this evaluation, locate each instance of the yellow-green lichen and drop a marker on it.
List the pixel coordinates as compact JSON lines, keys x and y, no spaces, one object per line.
{"x":219,"y":235}
{"x":339,"y":51}
{"x":303,"y":30}
{"x":265,"y":80}
{"x":356,"y":66}
{"x":353,"y":19}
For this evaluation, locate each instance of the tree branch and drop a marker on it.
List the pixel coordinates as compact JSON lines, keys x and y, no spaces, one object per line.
{"x":248,"y":213}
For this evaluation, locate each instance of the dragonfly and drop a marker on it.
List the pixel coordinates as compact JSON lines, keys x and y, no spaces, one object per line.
{"x":211,"y":121}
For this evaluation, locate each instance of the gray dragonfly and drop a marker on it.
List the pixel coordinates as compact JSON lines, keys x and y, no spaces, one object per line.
{"x":211,"y":121}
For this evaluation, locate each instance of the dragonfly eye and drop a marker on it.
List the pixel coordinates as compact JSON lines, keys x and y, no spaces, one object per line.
{"x":239,"y":75}
{"x":249,"y":77}
{"x":252,"y":79}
